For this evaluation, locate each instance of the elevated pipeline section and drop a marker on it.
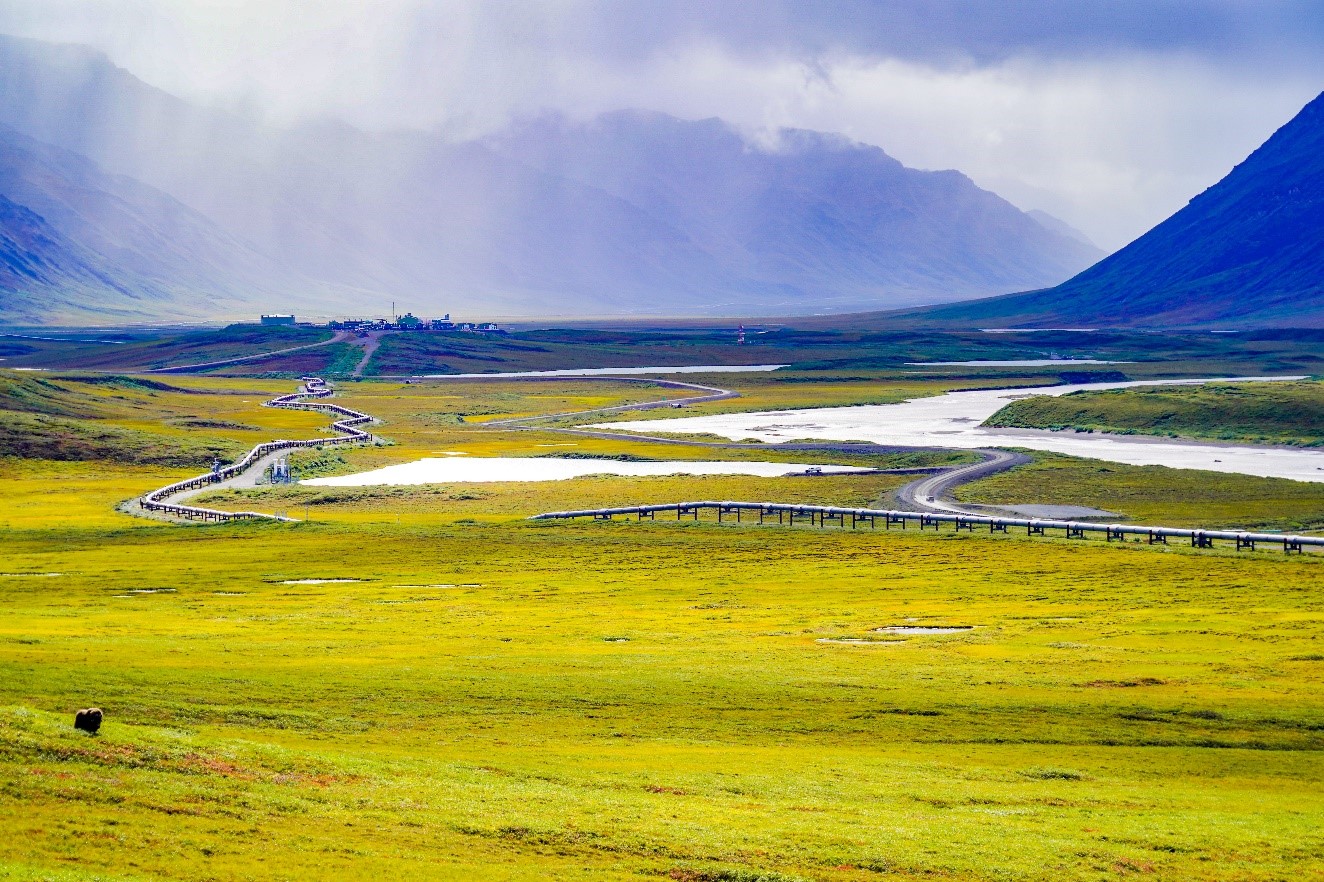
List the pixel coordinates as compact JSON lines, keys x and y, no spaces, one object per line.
{"x":823,"y":516}
{"x":305,"y":399}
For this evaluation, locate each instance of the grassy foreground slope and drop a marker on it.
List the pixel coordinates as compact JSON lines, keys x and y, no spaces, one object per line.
{"x":520,"y":701}
{"x":1261,"y":413}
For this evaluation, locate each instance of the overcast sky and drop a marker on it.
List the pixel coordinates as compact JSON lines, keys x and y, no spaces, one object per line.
{"x":1107,"y":113}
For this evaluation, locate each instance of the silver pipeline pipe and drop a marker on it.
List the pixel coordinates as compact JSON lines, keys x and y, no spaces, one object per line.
{"x":313,"y":387}
{"x":1033,"y":526}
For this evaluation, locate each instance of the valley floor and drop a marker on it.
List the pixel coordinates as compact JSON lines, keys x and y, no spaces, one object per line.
{"x":500,"y":699}
{"x":419,"y":680}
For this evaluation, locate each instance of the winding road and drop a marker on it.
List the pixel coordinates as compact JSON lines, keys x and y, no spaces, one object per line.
{"x":369,"y":342}
{"x":338,"y":337}
{"x":934,"y":493}
{"x":706,"y":394}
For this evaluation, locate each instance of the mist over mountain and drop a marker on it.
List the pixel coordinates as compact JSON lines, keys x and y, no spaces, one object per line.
{"x":1057,"y":225}
{"x":1248,"y":251}
{"x":629,"y":213}
{"x":829,"y":221}
{"x":75,"y":239}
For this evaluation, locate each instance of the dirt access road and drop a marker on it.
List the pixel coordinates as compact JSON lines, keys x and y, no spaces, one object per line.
{"x":338,"y":337}
{"x":934,"y":493}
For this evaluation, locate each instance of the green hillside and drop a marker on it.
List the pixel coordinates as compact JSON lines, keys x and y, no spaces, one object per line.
{"x":1275,"y":413}
{"x":1246,"y":252}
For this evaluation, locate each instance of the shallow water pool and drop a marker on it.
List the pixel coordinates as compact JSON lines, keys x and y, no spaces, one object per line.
{"x":477,"y":470}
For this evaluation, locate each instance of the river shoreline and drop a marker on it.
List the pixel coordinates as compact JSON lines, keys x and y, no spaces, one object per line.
{"x":954,"y":421}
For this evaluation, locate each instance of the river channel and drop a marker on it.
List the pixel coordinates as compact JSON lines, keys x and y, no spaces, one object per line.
{"x":953,"y":421}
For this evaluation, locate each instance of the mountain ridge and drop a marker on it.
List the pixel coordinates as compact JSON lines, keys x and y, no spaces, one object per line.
{"x":671,"y":217}
{"x":836,"y":190}
{"x":70,"y":231}
{"x":1245,"y":252}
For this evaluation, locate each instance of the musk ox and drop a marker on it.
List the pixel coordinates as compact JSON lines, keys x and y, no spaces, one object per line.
{"x":88,"y":719}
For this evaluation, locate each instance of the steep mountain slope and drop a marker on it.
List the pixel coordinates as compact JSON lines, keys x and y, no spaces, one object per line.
{"x":75,"y":240}
{"x":632,"y":213}
{"x":1249,"y":251}
{"x":39,"y":269}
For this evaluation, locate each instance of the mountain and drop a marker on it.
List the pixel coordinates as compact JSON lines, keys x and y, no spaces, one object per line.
{"x":1057,"y":225}
{"x":1247,"y":252}
{"x":75,"y":239}
{"x":825,"y":220}
{"x":630,"y":213}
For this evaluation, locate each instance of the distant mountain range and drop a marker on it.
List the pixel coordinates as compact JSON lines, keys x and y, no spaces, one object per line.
{"x":1247,"y":252}
{"x":122,"y":201}
{"x":75,"y":239}
{"x":814,"y":221}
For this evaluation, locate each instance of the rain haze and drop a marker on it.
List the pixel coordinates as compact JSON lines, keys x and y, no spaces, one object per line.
{"x":1109,"y":116}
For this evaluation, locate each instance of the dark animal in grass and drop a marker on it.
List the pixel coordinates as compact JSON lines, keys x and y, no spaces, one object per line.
{"x":88,"y":719}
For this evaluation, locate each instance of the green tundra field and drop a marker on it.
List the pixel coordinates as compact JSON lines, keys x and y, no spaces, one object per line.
{"x":422,"y":682}
{"x":1269,"y":413}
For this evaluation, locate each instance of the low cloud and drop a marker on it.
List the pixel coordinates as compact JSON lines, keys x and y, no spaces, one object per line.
{"x":1108,"y":115}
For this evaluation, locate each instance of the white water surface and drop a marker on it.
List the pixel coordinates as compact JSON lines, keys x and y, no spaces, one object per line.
{"x":952,"y":420}
{"x":1022,"y":362}
{"x":1037,"y":330}
{"x":601,"y":372}
{"x":63,"y":339}
{"x":486,"y":469}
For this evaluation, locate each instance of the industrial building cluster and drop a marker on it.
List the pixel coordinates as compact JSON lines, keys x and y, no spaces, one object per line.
{"x":406,"y":322}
